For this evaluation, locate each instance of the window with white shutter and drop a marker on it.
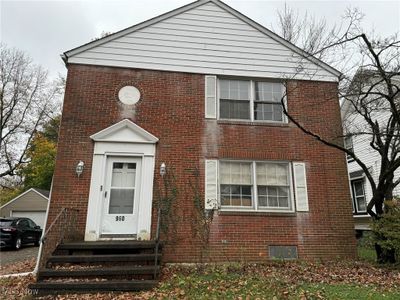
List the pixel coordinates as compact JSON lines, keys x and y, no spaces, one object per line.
{"x":300,"y":182}
{"x":211,"y":184}
{"x":273,"y":185}
{"x":236,"y":184}
{"x":255,"y":101}
{"x":211,"y":97}
{"x":256,"y":185}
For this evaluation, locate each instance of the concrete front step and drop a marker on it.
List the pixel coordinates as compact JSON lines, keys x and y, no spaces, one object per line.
{"x":99,"y":266}
{"x":108,"y":245}
{"x":102,"y":258}
{"x":99,"y":272}
{"x":41,"y":288}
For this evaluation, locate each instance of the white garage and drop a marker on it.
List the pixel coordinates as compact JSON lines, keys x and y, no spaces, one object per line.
{"x":38,"y":217}
{"x":30,"y":204}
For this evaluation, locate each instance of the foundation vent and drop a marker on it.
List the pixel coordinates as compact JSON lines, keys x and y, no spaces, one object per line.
{"x":283,"y":252}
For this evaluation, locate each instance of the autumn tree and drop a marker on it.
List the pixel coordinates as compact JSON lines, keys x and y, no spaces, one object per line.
{"x":369,"y":89}
{"x":28,"y":99}
{"x":41,"y":157}
{"x":12,"y":190}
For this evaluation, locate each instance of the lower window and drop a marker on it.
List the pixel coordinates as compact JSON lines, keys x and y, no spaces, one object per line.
{"x":255,"y":185}
{"x":359,"y":199}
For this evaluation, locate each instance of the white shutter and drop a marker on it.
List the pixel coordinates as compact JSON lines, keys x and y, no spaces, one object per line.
{"x":300,"y":186}
{"x":211,"y":97}
{"x":211,"y":185}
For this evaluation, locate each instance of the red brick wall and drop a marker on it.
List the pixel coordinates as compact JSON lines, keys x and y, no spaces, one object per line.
{"x":172,"y":108}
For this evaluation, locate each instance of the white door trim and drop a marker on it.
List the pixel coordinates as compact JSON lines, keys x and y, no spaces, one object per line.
{"x":133,"y":146}
{"x":117,"y":225}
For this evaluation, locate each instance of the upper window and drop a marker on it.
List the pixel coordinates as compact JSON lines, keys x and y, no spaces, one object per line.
{"x":358,"y":193}
{"x":348,"y":144}
{"x":234,"y":99}
{"x":267,"y":102}
{"x":266,"y":188}
{"x":251,"y":100}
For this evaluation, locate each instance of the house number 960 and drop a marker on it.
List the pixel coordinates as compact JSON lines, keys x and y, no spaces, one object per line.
{"x":120,"y":218}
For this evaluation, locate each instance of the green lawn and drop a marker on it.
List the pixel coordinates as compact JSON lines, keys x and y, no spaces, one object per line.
{"x":348,"y":292}
{"x":365,"y":247}
{"x":236,"y":286}
{"x":366,"y":254}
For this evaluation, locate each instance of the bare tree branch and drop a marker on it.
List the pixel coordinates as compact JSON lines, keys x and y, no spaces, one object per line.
{"x":369,"y":89}
{"x":27,"y":100}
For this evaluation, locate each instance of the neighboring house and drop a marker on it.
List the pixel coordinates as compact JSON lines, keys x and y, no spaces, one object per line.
{"x":30,"y":204}
{"x":353,"y":122}
{"x":199,"y":89}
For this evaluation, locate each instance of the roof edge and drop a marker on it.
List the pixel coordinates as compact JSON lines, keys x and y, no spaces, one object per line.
{"x":277,"y":38}
{"x":22,"y":194}
{"x":132,"y":28}
{"x":97,"y":137}
{"x":192,"y":5}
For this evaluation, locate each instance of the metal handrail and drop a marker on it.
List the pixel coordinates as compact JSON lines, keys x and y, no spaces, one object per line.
{"x":63,"y":211}
{"x":157,"y":240}
{"x":43,"y":238}
{"x":61,"y":227}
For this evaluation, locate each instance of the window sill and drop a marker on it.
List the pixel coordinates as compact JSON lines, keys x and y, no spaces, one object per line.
{"x":361,"y":215}
{"x":257,"y":212}
{"x":254,"y":123}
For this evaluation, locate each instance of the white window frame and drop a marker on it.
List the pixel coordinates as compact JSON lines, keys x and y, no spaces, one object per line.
{"x":356,"y":210}
{"x":348,"y":157}
{"x":254,"y":195}
{"x":252,"y":100}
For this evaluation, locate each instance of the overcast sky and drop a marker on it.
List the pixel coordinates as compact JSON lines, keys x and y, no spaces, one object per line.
{"x":45,"y":29}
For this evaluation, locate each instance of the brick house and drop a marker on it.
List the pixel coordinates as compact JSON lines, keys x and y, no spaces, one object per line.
{"x":199,"y":89}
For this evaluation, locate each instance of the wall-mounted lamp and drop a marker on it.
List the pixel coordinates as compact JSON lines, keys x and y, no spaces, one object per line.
{"x":79,"y":168}
{"x":163,"y":169}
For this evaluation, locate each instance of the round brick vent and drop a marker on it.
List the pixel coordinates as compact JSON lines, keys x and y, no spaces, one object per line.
{"x":129,"y":95}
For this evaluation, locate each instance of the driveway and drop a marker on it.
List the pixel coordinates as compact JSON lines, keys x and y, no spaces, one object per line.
{"x":8,"y":256}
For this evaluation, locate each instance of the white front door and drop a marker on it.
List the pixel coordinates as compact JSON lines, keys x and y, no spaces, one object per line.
{"x":121,"y":197}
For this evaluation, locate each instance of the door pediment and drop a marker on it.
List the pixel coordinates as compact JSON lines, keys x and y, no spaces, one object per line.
{"x":124,"y":131}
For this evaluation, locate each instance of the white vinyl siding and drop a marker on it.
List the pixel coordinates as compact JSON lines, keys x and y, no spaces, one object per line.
{"x":363,"y":150}
{"x":300,"y":180}
{"x":206,"y":39}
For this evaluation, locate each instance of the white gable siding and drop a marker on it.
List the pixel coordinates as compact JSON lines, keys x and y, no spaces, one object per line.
{"x":207,"y":40}
{"x":364,"y":151}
